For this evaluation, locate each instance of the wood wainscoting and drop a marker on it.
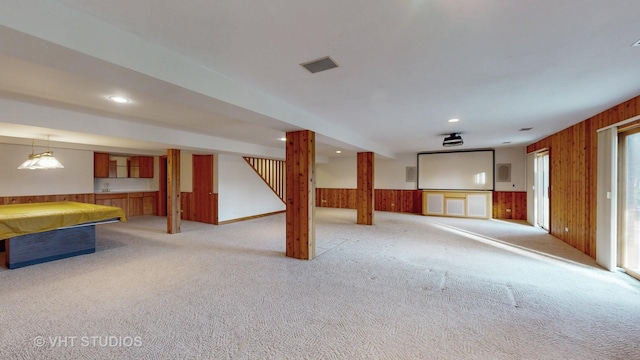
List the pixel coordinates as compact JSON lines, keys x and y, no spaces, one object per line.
{"x":407,"y":201}
{"x":510,"y":205}
{"x":410,"y":201}
{"x":82,"y":198}
{"x":188,"y":210}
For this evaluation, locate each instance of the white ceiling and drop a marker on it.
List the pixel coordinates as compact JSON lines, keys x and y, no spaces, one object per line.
{"x":225,"y":75}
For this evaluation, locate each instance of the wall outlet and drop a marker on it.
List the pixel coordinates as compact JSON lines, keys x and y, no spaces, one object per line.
{"x":508,"y":210}
{"x":566,"y":229}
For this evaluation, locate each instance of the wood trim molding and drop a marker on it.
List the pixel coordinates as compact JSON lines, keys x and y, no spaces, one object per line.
{"x":250,"y":217}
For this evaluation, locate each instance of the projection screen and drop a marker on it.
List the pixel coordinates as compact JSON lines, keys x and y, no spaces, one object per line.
{"x":456,"y":170}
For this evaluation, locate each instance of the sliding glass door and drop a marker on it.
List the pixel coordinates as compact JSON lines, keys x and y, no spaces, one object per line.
{"x":541,"y":170}
{"x":630,"y":201}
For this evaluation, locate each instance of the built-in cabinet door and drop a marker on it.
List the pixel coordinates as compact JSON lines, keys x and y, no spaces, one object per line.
{"x":118,"y":200}
{"x":135,"y":204}
{"x":100,"y":165}
{"x":149,"y":204}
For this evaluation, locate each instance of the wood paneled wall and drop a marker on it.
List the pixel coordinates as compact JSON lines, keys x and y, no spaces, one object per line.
{"x":187,"y":207}
{"x":573,"y":162}
{"x":510,"y":205}
{"x":408,"y":201}
{"x":83,"y":198}
{"x":336,"y":198}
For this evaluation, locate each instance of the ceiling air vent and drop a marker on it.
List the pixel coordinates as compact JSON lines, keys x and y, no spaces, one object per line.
{"x":318,"y":65}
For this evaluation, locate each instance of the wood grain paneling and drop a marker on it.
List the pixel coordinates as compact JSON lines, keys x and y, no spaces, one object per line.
{"x":336,"y":198}
{"x":573,"y":163}
{"x":204,"y":207}
{"x":364,"y":192}
{"x":83,"y":198}
{"x":173,"y":191}
{"x":120,"y":200}
{"x":300,"y":186}
{"x":150,"y":203}
{"x":136,"y":204}
{"x":186,"y":206}
{"x":407,"y":201}
{"x":510,"y":205}
{"x":100,"y":165}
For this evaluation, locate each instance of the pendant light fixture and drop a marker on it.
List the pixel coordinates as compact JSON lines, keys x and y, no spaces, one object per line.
{"x":41,"y":161}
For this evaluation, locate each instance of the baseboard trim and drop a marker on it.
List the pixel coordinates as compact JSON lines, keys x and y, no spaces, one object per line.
{"x":250,"y":217}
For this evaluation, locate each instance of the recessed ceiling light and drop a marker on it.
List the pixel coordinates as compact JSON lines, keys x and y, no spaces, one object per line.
{"x":118,"y":99}
{"x":453,"y":120}
{"x":637,"y":43}
{"x":525,"y":129}
{"x":338,"y":152}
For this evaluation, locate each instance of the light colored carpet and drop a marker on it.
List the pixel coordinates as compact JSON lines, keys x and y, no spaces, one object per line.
{"x":409,"y":287}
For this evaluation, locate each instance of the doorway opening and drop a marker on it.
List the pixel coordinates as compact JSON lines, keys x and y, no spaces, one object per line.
{"x":541,"y":190}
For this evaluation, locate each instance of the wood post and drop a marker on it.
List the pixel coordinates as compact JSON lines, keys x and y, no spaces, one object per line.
{"x":173,"y":191}
{"x":300,"y":185}
{"x":365,"y":194}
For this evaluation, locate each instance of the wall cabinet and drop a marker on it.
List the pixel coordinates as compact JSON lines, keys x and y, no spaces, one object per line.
{"x":111,"y":166}
{"x":141,"y":166}
{"x":100,"y":165}
{"x":474,"y":204}
{"x":133,"y":204}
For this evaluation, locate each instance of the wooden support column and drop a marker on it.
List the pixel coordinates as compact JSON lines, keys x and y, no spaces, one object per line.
{"x":364,"y":193}
{"x":301,"y":193}
{"x":173,"y":191}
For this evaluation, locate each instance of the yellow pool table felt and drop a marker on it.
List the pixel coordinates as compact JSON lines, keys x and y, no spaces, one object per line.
{"x":22,"y":219}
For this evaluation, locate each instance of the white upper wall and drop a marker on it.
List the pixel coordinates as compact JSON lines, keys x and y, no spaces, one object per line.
{"x":75,"y":178}
{"x":241,"y":192}
{"x":341,"y":173}
{"x":516,"y":157}
{"x":391,"y":174}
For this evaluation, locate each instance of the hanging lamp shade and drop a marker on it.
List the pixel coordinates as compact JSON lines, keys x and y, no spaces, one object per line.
{"x":44,"y":160}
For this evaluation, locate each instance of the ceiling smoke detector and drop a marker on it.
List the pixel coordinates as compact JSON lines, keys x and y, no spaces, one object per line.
{"x":453,"y":139}
{"x":321,"y":64}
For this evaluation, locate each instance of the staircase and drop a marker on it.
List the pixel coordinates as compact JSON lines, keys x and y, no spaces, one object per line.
{"x":272,"y":172}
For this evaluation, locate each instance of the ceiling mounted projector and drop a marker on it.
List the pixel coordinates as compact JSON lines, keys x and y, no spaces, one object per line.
{"x":453,"y":139}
